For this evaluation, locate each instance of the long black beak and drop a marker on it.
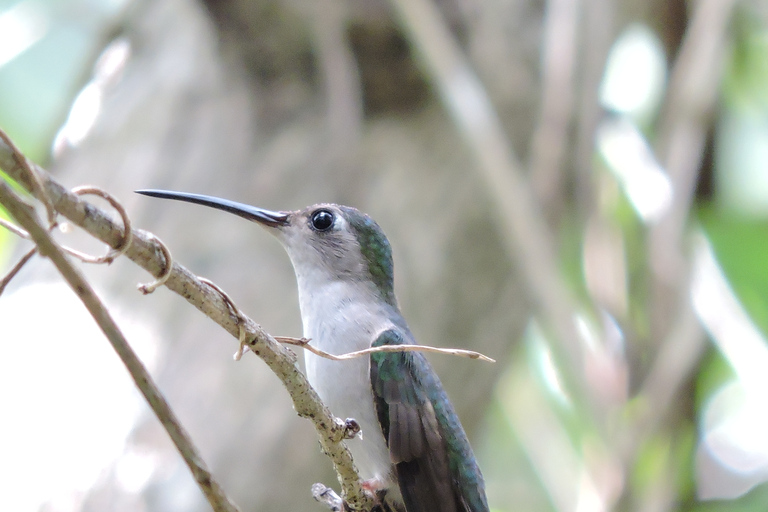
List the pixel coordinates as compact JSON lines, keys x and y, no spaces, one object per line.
{"x":254,"y":213}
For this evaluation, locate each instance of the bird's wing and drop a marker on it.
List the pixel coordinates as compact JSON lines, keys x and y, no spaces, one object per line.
{"x":406,"y":395}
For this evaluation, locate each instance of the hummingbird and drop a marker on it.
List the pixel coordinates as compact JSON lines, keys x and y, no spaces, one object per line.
{"x":413,"y":455}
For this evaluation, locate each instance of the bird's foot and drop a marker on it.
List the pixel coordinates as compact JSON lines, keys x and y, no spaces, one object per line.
{"x":377,"y":487}
{"x":328,"y":496}
{"x":352,"y":429}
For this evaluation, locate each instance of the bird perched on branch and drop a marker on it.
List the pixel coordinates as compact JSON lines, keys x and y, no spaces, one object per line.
{"x":414,"y":454}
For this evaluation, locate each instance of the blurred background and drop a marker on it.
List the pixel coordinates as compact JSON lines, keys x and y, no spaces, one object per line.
{"x":578,"y":189}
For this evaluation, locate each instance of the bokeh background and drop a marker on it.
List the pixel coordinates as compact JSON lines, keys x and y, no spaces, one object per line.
{"x":578,"y":189}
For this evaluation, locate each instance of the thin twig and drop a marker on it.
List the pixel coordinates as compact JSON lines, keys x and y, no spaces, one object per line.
{"x":84,"y":257}
{"x":147,"y":288}
{"x":304,"y":343}
{"x":338,"y":70}
{"x":598,"y":27}
{"x":550,"y":138}
{"x":677,"y":357}
{"x":524,"y":234}
{"x":33,"y":183}
{"x":144,"y":252}
{"x":14,"y":229}
{"x":682,"y":133}
{"x":239,"y":318}
{"x":117,"y":251}
{"x":24,"y":215}
{"x":16,"y":268}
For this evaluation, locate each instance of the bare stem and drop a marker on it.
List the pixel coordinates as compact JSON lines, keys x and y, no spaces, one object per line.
{"x":16,"y":269}
{"x":145,"y":251}
{"x":304,"y":343}
{"x":524,"y":233}
{"x":25,"y":216}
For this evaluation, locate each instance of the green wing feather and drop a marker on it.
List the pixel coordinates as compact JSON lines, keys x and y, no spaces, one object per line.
{"x":436,"y":469}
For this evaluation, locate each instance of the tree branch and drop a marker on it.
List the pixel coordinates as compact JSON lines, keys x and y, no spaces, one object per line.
{"x":689,"y":103}
{"x":25,"y":216}
{"x":145,"y":252}
{"x":550,"y":139}
{"x":518,"y":216}
{"x":682,"y":133}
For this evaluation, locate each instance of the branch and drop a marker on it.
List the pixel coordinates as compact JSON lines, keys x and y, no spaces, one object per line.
{"x":16,"y":268}
{"x":518,"y":215}
{"x":682,"y":133}
{"x":146,"y":252}
{"x":24,"y":215}
{"x":550,"y":139}
{"x":304,"y":343}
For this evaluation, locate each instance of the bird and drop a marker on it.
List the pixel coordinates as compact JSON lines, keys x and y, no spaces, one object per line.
{"x":414,"y":455}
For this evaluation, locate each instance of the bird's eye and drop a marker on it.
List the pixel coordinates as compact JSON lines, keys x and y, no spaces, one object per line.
{"x":322,"y":220}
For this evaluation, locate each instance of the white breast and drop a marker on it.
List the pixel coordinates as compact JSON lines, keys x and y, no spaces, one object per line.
{"x":338,"y":324}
